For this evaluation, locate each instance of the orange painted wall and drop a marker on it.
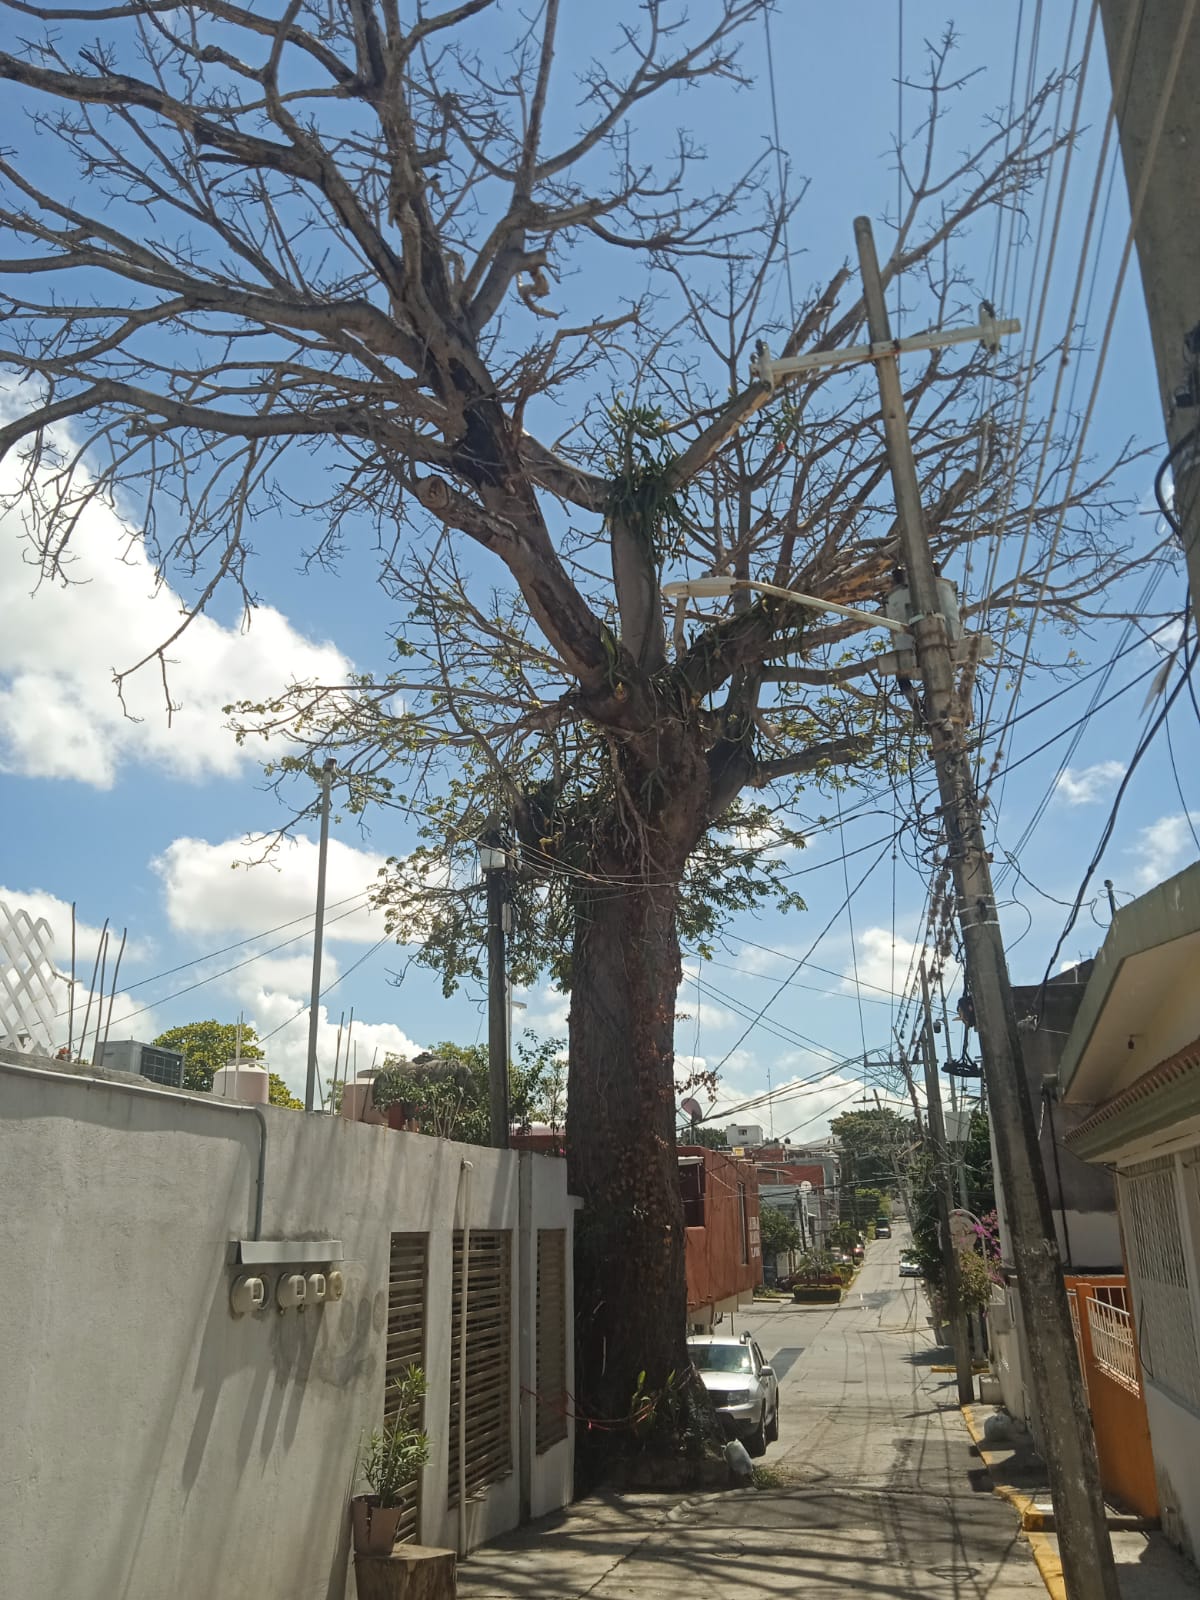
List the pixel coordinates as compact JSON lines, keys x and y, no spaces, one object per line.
{"x":715,"y":1268}
{"x":1119,"y":1419}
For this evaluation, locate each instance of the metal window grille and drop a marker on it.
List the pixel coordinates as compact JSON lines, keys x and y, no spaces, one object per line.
{"x":489,"y":1453}
{"x":1073,"y":1303}
{"x":406,"y":1348}
{"x":1111,"y":1328}
{"x":550,"y":1380}
{"x":1159,"y":1279}
{"x":162,"y":1066}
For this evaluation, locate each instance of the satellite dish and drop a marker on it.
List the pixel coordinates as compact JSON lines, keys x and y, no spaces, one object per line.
{"x":691,"y":1110}
{"x":806,"y":1187}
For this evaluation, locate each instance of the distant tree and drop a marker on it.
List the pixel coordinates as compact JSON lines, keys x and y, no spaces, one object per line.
{"x":871,"y":1142}
{"x":923,"y":1182}
{"x":844,"y":1235}
{"x":707,"y":1138}
{"x":207,"y":1046}
{"x":280,"y":1095}
{"x":446,"y":1089}
{"x":778,"y":1231}
{"x":875,"y":1143}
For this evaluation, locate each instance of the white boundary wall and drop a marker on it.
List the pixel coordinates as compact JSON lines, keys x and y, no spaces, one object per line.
{"x":153,"y":1445}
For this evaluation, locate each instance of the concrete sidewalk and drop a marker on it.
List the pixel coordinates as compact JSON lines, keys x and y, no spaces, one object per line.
{"x":874,"y":1490}
{"x":822,"y":1544}
{"x":1148,"y":1566}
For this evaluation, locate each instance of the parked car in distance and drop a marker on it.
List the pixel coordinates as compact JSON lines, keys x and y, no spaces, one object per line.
{"x":883,"y":1230}
{"x":742,"y":1386}
{"x":910,"y":1267}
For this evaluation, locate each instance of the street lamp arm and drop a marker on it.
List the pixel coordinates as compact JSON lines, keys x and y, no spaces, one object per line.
{"x":717,"y":587}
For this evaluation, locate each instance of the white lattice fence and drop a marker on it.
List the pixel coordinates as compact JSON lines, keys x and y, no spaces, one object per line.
{"x":29,"y":984}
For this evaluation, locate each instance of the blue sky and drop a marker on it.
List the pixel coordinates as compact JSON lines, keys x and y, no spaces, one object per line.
{"x":141,"y":822}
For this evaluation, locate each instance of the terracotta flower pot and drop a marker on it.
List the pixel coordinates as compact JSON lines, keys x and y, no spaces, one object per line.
{"x":374,"y":1525}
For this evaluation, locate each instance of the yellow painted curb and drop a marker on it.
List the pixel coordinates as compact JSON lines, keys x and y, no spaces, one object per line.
{"x":1048,"y":1564}
{"x":1025,"y":1505}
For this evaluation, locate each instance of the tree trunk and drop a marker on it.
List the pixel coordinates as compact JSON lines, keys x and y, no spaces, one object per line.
{"x":631,"y":1296}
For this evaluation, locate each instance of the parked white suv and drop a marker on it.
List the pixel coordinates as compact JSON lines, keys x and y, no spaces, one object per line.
{"x":742,"y":1386}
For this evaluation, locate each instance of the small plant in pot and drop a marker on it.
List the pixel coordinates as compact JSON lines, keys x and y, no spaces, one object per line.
{"x":389,"y":1460}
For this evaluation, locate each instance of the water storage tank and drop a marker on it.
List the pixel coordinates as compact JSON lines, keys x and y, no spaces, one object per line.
{"x":357,"y":1103}
{"x":249,"y":1081}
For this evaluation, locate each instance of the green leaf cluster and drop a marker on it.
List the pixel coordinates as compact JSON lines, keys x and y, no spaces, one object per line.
{"x":390,"y":1458}
{"x":445,"y":1091}
{"x":779,"y":1231}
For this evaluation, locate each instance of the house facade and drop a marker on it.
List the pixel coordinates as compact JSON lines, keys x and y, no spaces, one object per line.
{"x":803,"y":1183}
{"x":724,"y":1247}
{"x":211,"y":1298}
{"x":1083,"y":1200}
{"x":1130,"y":1071}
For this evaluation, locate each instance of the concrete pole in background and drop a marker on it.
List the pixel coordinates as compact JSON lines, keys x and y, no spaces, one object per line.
{"x":310,"y":1084}
{"x":940,"y":1153}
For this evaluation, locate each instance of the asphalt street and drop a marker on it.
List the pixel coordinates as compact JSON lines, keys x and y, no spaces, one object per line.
{"x":873,"y":1490}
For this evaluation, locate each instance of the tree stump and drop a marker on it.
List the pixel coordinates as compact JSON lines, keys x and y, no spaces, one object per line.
{"x":411,"y":1572}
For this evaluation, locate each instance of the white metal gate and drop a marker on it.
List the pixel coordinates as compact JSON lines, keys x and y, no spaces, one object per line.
{"x":1159,"y":1277}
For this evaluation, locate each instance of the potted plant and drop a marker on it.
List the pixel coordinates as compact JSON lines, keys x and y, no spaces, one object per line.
{"x":389,"y":1460}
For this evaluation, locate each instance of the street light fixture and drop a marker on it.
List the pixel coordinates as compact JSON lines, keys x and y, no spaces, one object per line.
{"x":717,"y":587}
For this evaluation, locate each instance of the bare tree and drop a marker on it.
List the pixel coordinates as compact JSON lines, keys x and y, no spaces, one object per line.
{"x":313,"y":226}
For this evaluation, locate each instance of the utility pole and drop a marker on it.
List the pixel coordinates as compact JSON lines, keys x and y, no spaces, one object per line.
{"x":494,"y":861}
{"x":310,"y":1085}
{"x":1154,"y":63}
{"x":940,"y":1154}
{"x":1066,"y":1435}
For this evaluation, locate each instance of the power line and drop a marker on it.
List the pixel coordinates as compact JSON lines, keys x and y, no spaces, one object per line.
{"x":328,"y":989}
{"x":799,"y":964}
{"x":238,"y":944}
{"x":212,"y":977}
{"x":1143,"y":745}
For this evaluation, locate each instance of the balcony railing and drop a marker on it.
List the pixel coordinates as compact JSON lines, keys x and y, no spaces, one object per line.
{"x":1111,"y":1328}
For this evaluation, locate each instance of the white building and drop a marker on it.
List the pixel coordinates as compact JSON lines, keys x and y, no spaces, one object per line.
{"x":160,"y":1441}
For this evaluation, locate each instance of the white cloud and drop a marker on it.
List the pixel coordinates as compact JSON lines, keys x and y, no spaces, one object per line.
{"x":1082,"y":787}
{"x":546,"y":1011}
{"x":59,"y":712}
{"x":689,"y":1010}
{"x":885,"y":960}
{"x":39,"y":904}
{"x":1163,"y":847}
{"x":268,"y":1007}
{"x":209,"y":893}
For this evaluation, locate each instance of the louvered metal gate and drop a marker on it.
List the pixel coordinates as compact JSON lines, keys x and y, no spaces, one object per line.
{"x":1159,"y":1279}
{"x":406,"y":1345}
{"x":489,"y":1449}
{"x":550,"y":1380}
